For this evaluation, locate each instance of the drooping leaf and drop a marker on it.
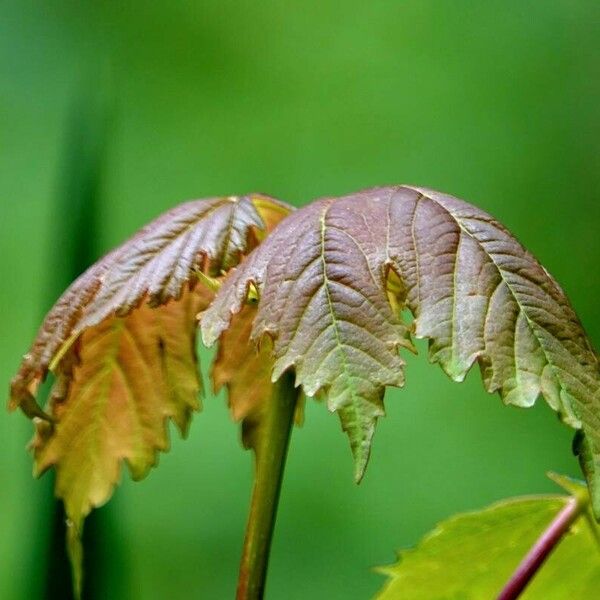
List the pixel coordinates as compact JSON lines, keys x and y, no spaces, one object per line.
{"x":153,"y":266}
{"x":323,"y":279}
{"x":122,"y":344}
{"x":472,"y":555}
{"x":115,"y":388}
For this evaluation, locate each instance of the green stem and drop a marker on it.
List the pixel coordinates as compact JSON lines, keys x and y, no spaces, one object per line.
{"x":271,"y":449}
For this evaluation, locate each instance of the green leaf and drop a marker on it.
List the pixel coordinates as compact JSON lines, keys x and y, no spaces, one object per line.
{"x":116,"y":388}
{"x":472,"y":555}
{"x":334,"y":276}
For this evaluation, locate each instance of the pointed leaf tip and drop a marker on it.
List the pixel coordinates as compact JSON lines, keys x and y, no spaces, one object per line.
{"x":589,"y":460}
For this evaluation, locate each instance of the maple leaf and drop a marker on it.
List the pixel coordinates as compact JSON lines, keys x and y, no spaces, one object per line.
{"x":122,"y":343}
{"x":153,"y":266}
{"x":324,"y":279}
{"x":116,"y":386}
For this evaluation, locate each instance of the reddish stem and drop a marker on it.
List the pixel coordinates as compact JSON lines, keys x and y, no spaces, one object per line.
{"x":542,"y":549}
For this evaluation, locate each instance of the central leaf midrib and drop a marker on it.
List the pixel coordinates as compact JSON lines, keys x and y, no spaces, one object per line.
{"x":338,"y":340}
{"x":227,"y":237}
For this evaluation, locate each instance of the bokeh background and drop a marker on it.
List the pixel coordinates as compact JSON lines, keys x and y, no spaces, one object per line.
{"x":112,"y":112}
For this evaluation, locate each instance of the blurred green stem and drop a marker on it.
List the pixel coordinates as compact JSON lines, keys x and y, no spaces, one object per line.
{"x":271,"y":449}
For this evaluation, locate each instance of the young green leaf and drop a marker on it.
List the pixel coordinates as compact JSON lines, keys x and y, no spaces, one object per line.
{"x":122,"y":343}
{"x":115,"y":388}
{"x":323,"y":279}
{"x":472,"y":555}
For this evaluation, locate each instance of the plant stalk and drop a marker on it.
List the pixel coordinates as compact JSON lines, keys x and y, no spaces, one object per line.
{"x":543,"y":547}
{"x":271,"y":446}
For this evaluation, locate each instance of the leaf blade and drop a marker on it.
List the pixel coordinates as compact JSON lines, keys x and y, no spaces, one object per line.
{"x":246,"y":373}
{"x":474,"y":291}
{"x":153,"y":266}
{"x":122,"y":343}
{"x":116,"y":374}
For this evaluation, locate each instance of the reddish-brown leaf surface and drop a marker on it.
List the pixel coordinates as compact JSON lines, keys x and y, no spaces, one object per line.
{"x":122,"y":344}
{"x":153,"y":266}
{"x":323,"y":281}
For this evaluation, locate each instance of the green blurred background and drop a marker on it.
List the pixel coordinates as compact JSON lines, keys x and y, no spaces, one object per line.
{"x":112,"y":112}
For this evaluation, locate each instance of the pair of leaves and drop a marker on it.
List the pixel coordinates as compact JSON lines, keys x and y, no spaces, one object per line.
{"x":122,"y":344}
{"x":472,"y":555}
{"x":331,"y":280}
{"x":334,"y":276}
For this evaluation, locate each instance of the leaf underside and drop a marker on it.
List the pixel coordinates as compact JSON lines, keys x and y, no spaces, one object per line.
{"x":115,"y":388}
{"x":245,"y":371}
{"x":334,"y":276}
{"x":472,"y":555}
{"x":122,"y":344}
